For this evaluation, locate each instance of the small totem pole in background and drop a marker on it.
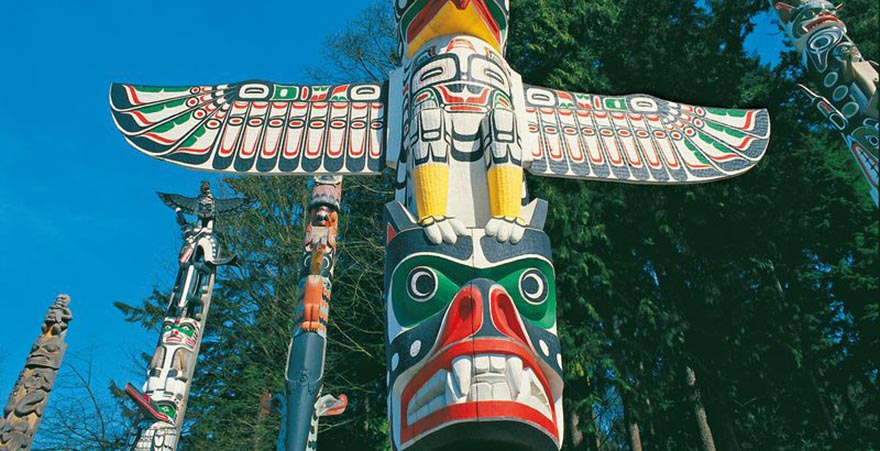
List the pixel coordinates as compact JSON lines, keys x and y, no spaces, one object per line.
{"x":162,"y":404}
{"x":302,"y":404}
{"x":845,"y":83}
{"x":26,"y":405}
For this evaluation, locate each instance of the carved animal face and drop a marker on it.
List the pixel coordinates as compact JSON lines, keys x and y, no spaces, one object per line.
{"x":808,"y":17}
{"x":419,"y":21}
{"x":473,"y":349}
{"x":180,"y":332}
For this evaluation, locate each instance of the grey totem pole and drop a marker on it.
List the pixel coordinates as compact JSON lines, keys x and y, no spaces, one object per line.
{"x":162,"y":401}
{"x":29,"y":398}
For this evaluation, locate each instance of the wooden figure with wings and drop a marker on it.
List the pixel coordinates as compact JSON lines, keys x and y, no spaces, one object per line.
{"x":458,"y":127}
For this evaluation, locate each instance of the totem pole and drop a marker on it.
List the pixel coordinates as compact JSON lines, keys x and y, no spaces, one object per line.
{"x":845,"y":83}
{"x":302,"y":404}
{"x":29,"y":398}
{"x":472,"y":348}
{"x":162,"y":404}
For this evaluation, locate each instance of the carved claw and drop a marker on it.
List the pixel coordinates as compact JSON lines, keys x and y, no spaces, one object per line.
{"x":442,"y":229}
{"x":506,"y":229}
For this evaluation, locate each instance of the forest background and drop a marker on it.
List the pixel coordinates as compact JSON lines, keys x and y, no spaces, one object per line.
{"x":741,"y":315}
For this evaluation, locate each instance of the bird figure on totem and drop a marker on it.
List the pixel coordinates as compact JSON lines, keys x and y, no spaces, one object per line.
{"x":454,"y":121}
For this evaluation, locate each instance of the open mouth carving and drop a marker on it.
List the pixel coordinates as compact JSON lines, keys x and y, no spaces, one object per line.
{"x":818,"y":22}
{"x":486,"y":377}
{"x":477,"y":377}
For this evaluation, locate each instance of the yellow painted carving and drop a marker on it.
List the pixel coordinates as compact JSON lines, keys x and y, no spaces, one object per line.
{"x":432,"y":189}
{"x":451,"y":20}
{"x":505,"y":190}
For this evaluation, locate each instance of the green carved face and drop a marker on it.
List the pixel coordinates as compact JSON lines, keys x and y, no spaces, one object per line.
{"x":424,"y":285}
{"x":183,"y":329}
{"x":180,"y":332}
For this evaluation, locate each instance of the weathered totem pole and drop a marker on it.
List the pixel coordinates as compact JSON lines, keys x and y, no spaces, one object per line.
{"x":845,"y":83}
{"x":162,"y":401}
{"x":472,"y":348}
{"x":29,"y":397}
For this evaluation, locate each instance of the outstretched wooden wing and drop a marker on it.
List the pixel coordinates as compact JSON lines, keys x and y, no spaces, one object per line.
{"x":639,"y":138}
{"x":188,"y":205}
{"x":257,"y":127}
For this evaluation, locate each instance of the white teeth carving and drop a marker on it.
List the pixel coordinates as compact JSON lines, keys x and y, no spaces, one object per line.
{"x":514,"y":375}
{"x":487,"y":377}
{"x":462,"y":367}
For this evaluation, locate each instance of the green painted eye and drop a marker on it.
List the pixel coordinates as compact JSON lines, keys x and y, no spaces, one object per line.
{"x":534,"y":287}
{"x":422,"y":284}
{"x":187,"y":330}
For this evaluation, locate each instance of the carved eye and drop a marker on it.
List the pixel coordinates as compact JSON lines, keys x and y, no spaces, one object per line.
{"x":422,"y":284}
{"x":533,"y":286}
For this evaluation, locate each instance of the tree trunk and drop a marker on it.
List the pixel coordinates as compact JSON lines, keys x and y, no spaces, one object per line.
{"x":575,"y":434}
{"x":632,"y":425}
{"x":581,"y":436}
{"x":706,"y":440}
{"x":722,"y":423}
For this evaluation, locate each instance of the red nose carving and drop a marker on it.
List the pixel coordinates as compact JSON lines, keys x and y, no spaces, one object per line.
{"x":505,"y":316}
{"x":462,"y":4}
{"x":465,"y":316}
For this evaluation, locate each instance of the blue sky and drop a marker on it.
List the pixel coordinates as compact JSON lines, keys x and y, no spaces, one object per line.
{"x":78,"y":210}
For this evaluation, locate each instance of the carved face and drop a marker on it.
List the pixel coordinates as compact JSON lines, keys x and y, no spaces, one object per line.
{"x":419,"y":21}
{"x":206,"y":208}
{"x":473,"y":354}
{"x":177,"y":332}
{"x":808,"y":17}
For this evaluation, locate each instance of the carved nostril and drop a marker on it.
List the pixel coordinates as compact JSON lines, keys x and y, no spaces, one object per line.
{"x":464,"y":317}
{"x":505,"y":316}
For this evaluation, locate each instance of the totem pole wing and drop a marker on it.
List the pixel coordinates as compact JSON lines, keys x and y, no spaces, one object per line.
{"x":226,"y":206}
{"x":188,"y":205}
{"x":637,"y":138}
{"x":257,"y":127}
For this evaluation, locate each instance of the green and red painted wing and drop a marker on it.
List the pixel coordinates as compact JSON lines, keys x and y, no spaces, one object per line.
{"x":257,"y":127}
{"x":639,"y":138}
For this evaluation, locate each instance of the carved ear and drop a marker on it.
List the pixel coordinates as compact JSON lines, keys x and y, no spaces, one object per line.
{"x":784,"y":10}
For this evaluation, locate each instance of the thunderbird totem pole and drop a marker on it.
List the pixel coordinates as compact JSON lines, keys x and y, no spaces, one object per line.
{"x":846,"y":82}
{"x":472,"y":349}
{"x":29,"y":397}
{"x":162,"y":404}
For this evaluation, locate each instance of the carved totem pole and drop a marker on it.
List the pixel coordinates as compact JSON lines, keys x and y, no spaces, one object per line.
{"x":302,"y":404}
{"x":162,"y":403}
{"x":472,"y":349}
{"x":846,"y":83}
{"x":29,"y":397}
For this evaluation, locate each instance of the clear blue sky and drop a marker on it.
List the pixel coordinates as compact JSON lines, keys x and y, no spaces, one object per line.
{"x":78,"y":210}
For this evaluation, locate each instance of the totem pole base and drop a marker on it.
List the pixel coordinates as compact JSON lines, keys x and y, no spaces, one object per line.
{"x":492,"y":436}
